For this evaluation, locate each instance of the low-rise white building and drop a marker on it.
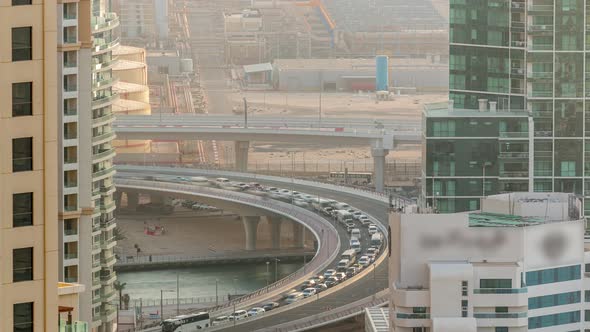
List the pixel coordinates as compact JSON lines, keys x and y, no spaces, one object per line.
{"x":516,"y":265}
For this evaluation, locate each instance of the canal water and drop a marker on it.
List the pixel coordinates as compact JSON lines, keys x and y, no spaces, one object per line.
{"x":199,"y":282}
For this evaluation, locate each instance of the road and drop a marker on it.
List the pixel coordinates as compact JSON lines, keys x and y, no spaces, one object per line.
{"x":362,"y":288}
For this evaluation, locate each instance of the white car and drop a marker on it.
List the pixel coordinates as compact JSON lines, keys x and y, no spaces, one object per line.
{"x":364,"y":261}
{"x":255,"y":311}
{"x":220,"y":320}
{"x":373,"y":229}
{"x":329,"y":273}
{"x":309,"y":292}
{"x":364,"y":220}
{"x":294,"y":297}
{"x":356,"y":215}
{"x":239,"y":314}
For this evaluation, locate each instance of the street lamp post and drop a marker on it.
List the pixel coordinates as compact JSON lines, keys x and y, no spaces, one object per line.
{"x":162,"y":303}
{"x":267,"y":274}
{"x":245,"y":113}
{"x":216,"y":294}
{"x":277,"y":269}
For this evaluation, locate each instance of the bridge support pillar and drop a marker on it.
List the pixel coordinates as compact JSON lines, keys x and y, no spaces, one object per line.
{"x":157,"y":199}
{"x":241,"y":149}
{"x":298,"y":235}
{"x":275,"y":231}
{"x":251,"y":229}
{"x":379,"y":168}
{"x":132,"y":200}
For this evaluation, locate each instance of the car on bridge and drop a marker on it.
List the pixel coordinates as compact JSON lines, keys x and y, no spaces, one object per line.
{"x":220,"y":321}
{"x":294,"y":297}
{"x":328,"y":273}
{"x":309,"y":292}
{"x":364,"y":261}
{"x":308,"y":283}
{"x":239,"y":314}
{"x":320,"y":287}
{"x":255,"y":311}
{"x":270,"y":305}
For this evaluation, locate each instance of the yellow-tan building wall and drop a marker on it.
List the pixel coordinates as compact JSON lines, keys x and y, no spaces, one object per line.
{"x":42,"y":126}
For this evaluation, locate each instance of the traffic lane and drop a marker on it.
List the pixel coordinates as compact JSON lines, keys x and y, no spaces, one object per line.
{"x":366,"y":286}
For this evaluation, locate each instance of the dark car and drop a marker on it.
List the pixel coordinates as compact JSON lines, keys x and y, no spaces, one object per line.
{"x":351,"y":272}
{"x":332,"y":281}
{"x":270,"y":305}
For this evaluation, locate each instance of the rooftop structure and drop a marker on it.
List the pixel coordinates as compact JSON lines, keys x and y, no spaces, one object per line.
{"x":517,"y":264}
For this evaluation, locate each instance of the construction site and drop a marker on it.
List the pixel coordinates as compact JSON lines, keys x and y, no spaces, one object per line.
{"x":215,"y":54}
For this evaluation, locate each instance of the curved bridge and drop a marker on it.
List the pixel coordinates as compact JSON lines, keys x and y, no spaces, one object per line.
{"x":340,"y":303}
{"x":249,"y":205}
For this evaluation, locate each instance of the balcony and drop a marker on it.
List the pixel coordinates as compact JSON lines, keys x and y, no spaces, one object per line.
{"x":540,"y":75}
{"x":540,"y":47}
{"x":518,"y":6}
{"x":513,"y":174}
{"x":540,"y":94}
{"x":517,"y":71}
{"x":496,"y":315}
{"x":514,"y":134}
{"x":108,"y":136}
{"x":103,"y":119}
{"x":103,"y":172}
{"x":108,"y":262}
{"x":403,"y":315}
{"x":99,"y":23}
{"x":540,"y":28}
{"x":109,"y":224}
{"x":104,"y":154}
{"x":104,"y":83}
{"x":540,"y":8}
{"x":514,"y":155}
{"x":104,"y":100}
{"x":108,"y":243}
{"x":500,"y":290}
{"x":518,"y":43}
{"x":108,"y":279}
{"x":71,"y":255}
{"x":70,"y":231}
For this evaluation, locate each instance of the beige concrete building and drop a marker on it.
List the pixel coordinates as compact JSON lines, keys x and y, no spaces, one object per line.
{"x":134,"y":97}
{"x":28,"y":165}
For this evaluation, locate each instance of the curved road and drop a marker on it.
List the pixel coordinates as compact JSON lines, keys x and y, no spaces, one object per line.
{"x":362,"y":288}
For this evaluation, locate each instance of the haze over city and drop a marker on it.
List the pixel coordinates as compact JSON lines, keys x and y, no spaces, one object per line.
{"x":294,"y":165}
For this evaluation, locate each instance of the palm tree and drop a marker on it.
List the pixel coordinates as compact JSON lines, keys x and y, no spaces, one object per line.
{"x":119,"y":287}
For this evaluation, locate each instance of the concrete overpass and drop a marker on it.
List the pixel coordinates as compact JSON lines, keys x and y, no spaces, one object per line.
{"x":270,"y":129}
{"x":327,"y":236}
{"x":342,"y":302}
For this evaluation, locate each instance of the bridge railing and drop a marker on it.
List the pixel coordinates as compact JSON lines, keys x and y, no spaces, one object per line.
{"x":330,"y":316}
{"x":323,"y":230}
{"x":156,"y":259}
{"x":260,"y":177}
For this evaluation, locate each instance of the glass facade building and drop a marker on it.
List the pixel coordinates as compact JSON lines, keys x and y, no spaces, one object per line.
{"x":528,"y":55}
{"x":472,"y":154}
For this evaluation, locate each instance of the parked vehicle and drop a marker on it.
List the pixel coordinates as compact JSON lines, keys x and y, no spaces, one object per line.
{"x":364,"y":220}
{"x":376,"y":240}
{"x":318,"y":279}
{"x":341,"y":276}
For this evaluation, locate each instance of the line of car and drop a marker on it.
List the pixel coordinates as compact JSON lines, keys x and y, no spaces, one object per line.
{"x":342,"y":212}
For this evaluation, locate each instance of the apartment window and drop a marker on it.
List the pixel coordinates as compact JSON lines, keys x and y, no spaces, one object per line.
{"x":22,"y":209}
{"x":21,"y":2}
{"x":495,"y":283}
{"x":22,"y":264}
{"x":554,"y":300}
{"x":464,"y":288}
{"x":22,"y":99}
{"x":23,"y":317}
{"x":501,"y":329}
{"x":22,"y":48}
{"x":560,"y":274}
{"x":22,"y":154}
{"x":554,"y":319}
{"x":464,"y":305}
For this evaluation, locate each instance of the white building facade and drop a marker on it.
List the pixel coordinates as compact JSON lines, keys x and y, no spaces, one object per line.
{"x":516,"y":265}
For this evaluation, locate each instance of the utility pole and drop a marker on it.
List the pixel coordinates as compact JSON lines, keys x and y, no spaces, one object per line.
{"x":216,"y":294}
{"x":320,"y":106}
{"x":245,"y":113}
{"x":177,"y":295}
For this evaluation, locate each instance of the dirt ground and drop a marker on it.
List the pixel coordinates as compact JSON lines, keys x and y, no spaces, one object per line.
{"x":188,"y":233}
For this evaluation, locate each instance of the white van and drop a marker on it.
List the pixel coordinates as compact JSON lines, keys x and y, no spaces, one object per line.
{"x":200,"y":181}
{"x":343,"y":263}
{"x":343,"y":216}
{"x":356,"y":233}
{"x":222,"y":180}
{"x":350,"y":255}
